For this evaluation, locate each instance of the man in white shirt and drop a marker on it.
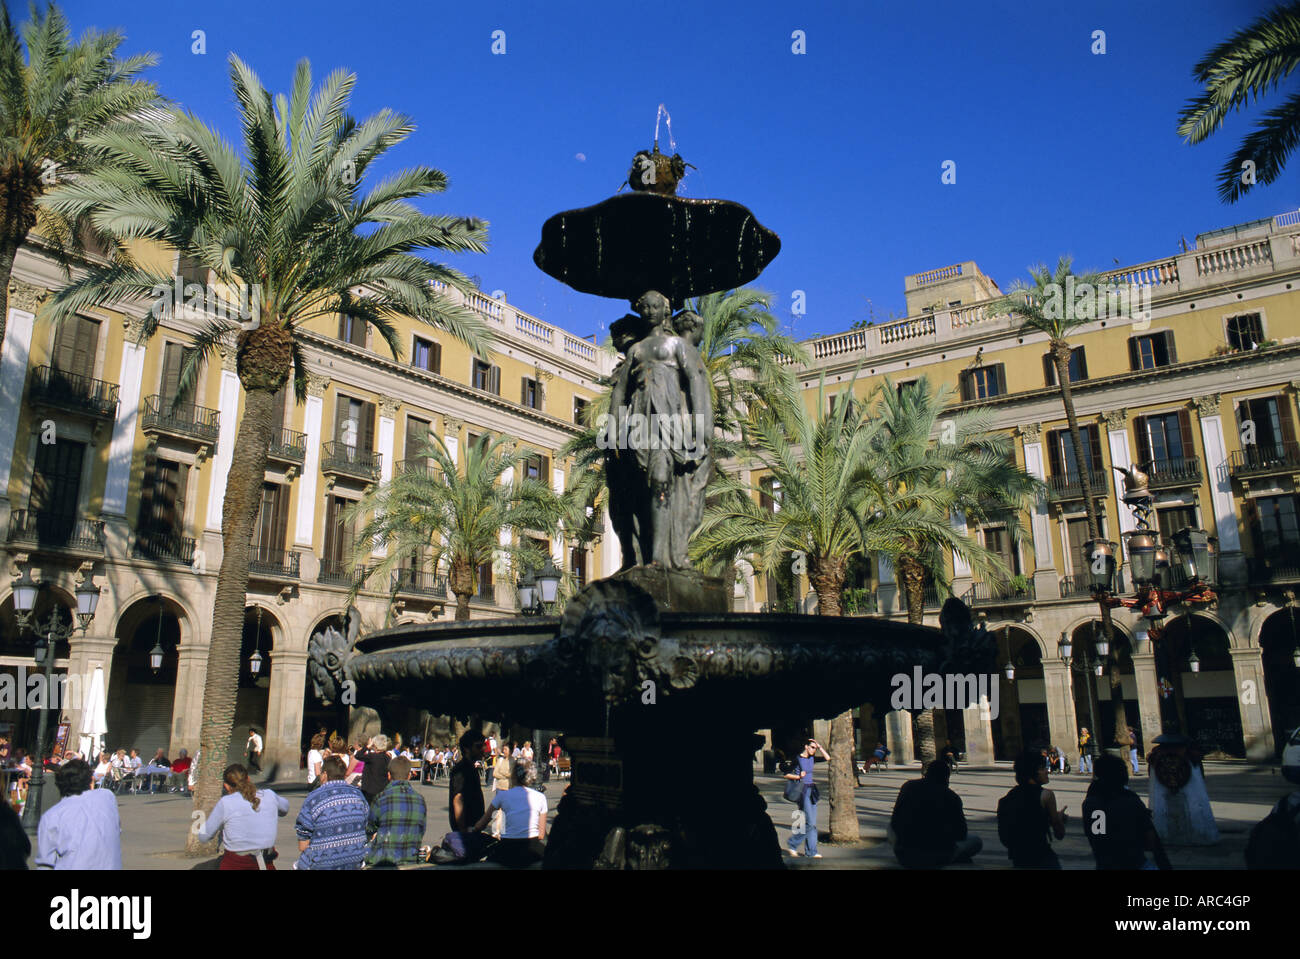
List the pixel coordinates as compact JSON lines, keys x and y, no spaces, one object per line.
{"x":430,"y":760}
{"x":81,"y":830}
{"x":254,"y":751}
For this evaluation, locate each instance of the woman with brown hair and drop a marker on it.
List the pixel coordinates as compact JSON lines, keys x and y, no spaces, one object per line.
{"x":247,"y":818}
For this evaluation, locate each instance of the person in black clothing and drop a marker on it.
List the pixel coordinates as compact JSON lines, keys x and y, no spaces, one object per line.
{"x":1117,"y":824}
{"x":949,"y":755}
{"x":374,"y":775}
{"x":15,"y":847}
{"x":465,"y":797}
{"x":929,"y":823}
{"x":1027,"y":813}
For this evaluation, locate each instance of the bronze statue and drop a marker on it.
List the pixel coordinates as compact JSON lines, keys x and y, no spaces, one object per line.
{"x":659,"y":436}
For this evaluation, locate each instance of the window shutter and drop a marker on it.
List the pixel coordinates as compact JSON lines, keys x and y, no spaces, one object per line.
{"x":1094,"y":447}
{"x":146,"y":492}
{"x":277,"y":409}
{"x":967,"y":387}
{"x":1054,"y":453}
{"x":546,"y":471}
{"x":1187,"y":442}
{"x":435,"y":355}
{"x":1083,"y":362}
{"x":280,"y":527}
{"x":366,"y":428}
{"x":1143,"y":437}
{"x":523,"y":392}
{"x":178,"y":508}
{"x":1284,"y":419}
{"x":1134,"y":359}
{"x":1169,"y":346}
{"x":1000,"y":379}
{"x":341,"y":406}
{"x":494,"y":380}
{"x":1049,"y":370}
{"x":343,"y":326}
{"x":171,"y":375}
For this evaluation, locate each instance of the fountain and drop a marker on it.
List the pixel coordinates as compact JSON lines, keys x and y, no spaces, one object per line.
{"x":656,"y":684}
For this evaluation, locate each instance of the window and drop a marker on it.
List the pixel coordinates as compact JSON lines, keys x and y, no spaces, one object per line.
{"x":530,"y":393}
{"x":56,"y":478}
{"x":272,"y":524}
{"x":1076,"y":531}
{"x":162,"y":498}
{"x":1152,"y":350}
{"x":1272,"y":426}
{"x":578,"y":565}
{"x":1164,"y":438}
{"x":417,"y":439}
{"x":485,"y":590}
{"x":340,"y":536}
{"x":1245,"y":332}
{"x":904,"y":385}
{"x":74,"y":352}
{"x":953,"y":304}
{"x":485,"y":377}
{"x":1274,"y":525}
{"x":1060,"y":451}
{"x":174,"y":357}
{"x":769,"y":496}
{"x":1078,"y":368}
{"x":354,"y":423}
{"x":537,"y":468}
{"x":426,"y":355}
{"x":190,"y":270}
{"x":998,"y":540}
{"x":277,"y":408}
{"x":1173,"y":518}
{"x":579,"y":409}
{"x":352,"y":330}
{"x":983,"y":382}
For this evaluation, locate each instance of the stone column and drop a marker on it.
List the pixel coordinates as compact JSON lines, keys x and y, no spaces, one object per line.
{"x":228,"y":404}
{"x":304,"y":527}
{"x":898,"y":733}
{"x":284,"y":710}
{"x":961,"y":572}
{"x":121,"y":447}
{"x":1147,"y":681}
{"x":887,"y":591}
{"x":978,"y":721}
{"x":387,"y":427}
{"x":1232,"y":563}
{"x":1046,"y":583}
{"x":24,"y":300}
{"x":1256,"y":723}
{"x":87,"y":653}
{"x":1061,"y":721}
{"x":187,"y":701}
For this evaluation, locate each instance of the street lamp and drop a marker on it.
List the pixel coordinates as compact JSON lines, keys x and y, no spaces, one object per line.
{"x":1010,"y":669}
{"x":1101,"y":564}
{"x":1142,"y":556}
{"x":1193,"y":547}
{"x":48,"y":634}
{"x":537,"y":591}
{"x":548,"y":582}
{"x":156,"y":654}
{"x":527,"y":592}
{"x":255,"y":661}
{"x":1193,"y":663}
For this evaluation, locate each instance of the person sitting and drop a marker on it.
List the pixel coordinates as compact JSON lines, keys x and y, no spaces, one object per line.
{"x":397,"y":820}
{"x":176,"y":782}
{"x":929,"y":824}
{"x":160,"y":766}
{"x":525,"y":819}
{"x":331,"y":825}
{"x":879,"y":757}
{"x":1126,"y":832}
{"x":102,"y":770}
{"x":1028,"y":813}
{"x":949,"y":754}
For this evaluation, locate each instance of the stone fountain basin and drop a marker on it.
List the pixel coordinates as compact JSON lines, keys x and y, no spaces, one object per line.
{"x":758,"y":669}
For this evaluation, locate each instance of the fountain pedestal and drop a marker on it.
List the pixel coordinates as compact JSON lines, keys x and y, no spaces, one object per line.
{"x":678,"y":590}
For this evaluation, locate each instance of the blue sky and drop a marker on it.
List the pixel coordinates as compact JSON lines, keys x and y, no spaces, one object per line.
{"x":839,"y":150}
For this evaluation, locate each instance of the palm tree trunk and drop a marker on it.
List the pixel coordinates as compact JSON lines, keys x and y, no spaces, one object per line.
{"x":912,"y":574}
{"x":461,"y":582}
{"x":238,"y":515}
{"x":827,"y":580}
{"x":1061,"y":358}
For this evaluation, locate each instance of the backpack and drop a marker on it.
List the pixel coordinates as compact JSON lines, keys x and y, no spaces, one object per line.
{"x":1275,"y":841}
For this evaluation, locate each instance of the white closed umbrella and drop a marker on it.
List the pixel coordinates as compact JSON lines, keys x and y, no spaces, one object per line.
{"x":94,"y":719}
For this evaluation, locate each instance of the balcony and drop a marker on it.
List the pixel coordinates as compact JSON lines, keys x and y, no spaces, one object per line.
{"x":73,"y":392}
{"x":47,"y":530}
{"x":1265,"y":572}
{"x":340,"y":574}
{"x":1175,"y":472}
{"x":164,"y":547}
{"x":339,"y":459}
{"x":1069,"y":486}
{"x":180,"y":420}
{"x":416,"y":466}
{"x":1264,"y":460}
{"x":287,"y":446}
{"x":418,"y":582}
{"x":273,"y":563}
{"x":999,"y":594}
{"x":1076,"y":587}
{"x":932,"y":600}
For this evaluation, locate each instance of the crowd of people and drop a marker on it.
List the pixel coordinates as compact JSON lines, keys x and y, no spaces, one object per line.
{"x":123,"y":770}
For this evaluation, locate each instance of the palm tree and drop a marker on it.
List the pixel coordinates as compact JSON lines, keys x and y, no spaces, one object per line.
{"x":833,"y":507}
{"x":1247,"y":66}
{"x":1042,"y":307}
{"x":51,"y":101}
{"x":454,"y":515}
{"x":290,"y":222}
{"x":970,"y":470}
{"x":751,"y":367}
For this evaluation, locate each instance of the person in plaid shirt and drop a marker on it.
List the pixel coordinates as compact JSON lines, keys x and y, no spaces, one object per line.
{"x":331,"y":825}
{"x":397,"y":819}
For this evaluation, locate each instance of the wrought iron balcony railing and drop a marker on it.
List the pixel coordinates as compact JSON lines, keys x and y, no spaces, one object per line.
{"x":1069,"y":486}
{"x":416,"y":465}
{"x":1264,"y":572}
{"x":72,"y":391}
{"x":340,"y":574}
{"x":999,"y":594}
{"x":164,"y":546}
{"x":932,"y":600}
{"x":182,"y":419}
{"x":274,"y":563}
{"x":45,"y":529}
{"x":338,"y":457}
{"x":419,"y":582}
{"x":1175,"y":471}
{"x":1264,"y":460}
{"x":287,"y":446}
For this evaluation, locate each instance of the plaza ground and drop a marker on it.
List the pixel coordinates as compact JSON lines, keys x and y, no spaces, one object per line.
{"x":154,"y":827}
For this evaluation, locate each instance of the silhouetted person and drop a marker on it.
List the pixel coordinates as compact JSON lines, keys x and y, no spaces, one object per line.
{"x":1117,"y":823}
{"x":929,"y":823}
{"x":1027,"y":813}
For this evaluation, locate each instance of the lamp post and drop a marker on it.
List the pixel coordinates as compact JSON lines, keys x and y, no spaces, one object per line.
{"x":1101,"y":646}
{"x":48,"y":634}
{"x":538,"y":591}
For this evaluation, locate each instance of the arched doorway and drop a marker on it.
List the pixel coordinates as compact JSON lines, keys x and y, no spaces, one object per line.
{"x":140,"y":700}
{"x":1202,"y":705}
{"x":1095,"y":702}
{"x":1022,"y":702}
{"x":18,"y":723}
{"x":254,"y":694}
{"x":1278,"y":640}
